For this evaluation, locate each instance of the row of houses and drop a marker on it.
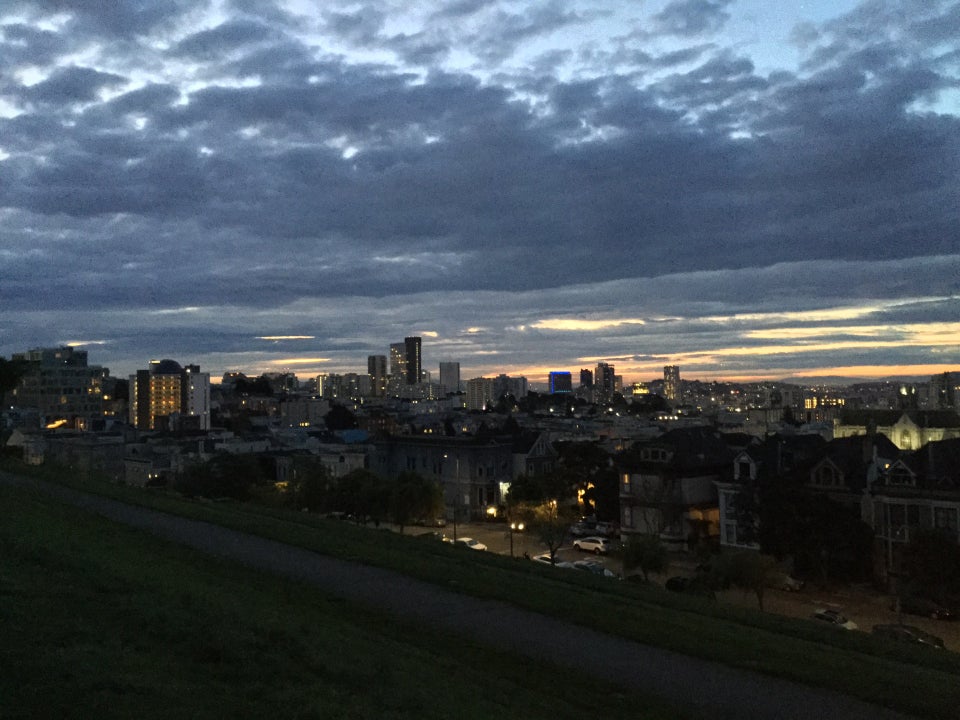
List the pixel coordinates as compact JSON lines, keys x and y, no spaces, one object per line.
{"x":691,"y":484}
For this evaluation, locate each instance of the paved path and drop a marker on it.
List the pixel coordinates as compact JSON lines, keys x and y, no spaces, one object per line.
{"x":701,"y":688}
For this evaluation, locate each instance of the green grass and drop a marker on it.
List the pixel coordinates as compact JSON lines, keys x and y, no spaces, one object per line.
{"x":99,"y":620}
{"x":914,"y":680}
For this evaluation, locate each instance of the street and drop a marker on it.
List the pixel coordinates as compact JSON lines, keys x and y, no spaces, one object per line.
{"x":861,"y":604}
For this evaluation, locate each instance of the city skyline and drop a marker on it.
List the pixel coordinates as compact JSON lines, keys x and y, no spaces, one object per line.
{"x":746,"y":191}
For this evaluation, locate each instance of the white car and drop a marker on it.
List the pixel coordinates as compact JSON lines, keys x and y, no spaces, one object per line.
{"x":471,"y":543}
{"x":598,"y":545}
{"x":834,"y":618}
{"x":592,"y":566}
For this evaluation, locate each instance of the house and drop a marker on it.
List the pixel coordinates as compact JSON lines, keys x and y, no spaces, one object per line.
{"x":782,"y":460}
{"x":919,"y":490}
{"x":474,"y":472}
{"x":668,"y":486}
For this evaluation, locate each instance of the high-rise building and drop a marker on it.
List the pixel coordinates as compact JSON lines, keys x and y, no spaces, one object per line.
{"x":479,"y":393}
{"x":398,"y":361}
{"x":945,"y":390}
{"x":59,"y":384}
{"x":671,"y":382}
{"x":414,"y":367}
{"x":377,"y":370}
{"x":450,"y":376}
{"x":604,"y":384}
{"x":166,"y":391}
{"x":586,"y":378}
{"x":560,"y":382}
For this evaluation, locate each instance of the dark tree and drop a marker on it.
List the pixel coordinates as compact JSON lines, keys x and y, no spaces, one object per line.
{"x":414,"y":497}
{"x":223,"y":476}
{"x":364,"y":495}
{"x":645,"y":552}
{"x":931,"y":567}
{"x":11,"y":371}
{"x":311,"y":486}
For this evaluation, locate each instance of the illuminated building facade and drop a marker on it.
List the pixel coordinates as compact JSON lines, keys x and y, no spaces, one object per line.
{"x":604,"y":383}
{"x":479,"y":393}
{"x":377,"y":370}
{"x":414,"y":367}
{"x":60,"y":385}
{"x":671,"y":382}
{"x":166,"y":394}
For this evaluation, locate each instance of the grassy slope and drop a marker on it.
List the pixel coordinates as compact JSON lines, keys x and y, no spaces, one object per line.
{"x":915,"y":680}
{"x":99,"y":620}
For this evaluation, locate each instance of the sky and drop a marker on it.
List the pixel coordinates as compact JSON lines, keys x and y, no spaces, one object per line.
{"x":749,"y":190}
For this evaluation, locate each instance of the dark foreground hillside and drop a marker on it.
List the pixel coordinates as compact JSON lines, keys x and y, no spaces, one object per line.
{"x":101,"y":621}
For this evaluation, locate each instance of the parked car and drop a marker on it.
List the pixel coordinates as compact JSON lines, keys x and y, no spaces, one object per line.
{"x":594,"y":544}
{"x":834,"y":618}
{"x":783,"y":581}
{"x":909,"y":634}
{"x":471,"y":543}
{"x":606,"y":529}
{"x":542,"y":558}
{"x":434,"y":535}
{"x":581,"y":529}
{"x":592,"y":566}
{"x":927,"y":608}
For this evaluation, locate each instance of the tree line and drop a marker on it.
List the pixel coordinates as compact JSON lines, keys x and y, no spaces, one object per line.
{"x":360,"y":495}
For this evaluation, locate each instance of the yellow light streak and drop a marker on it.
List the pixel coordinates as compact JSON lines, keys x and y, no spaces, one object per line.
{"x":286,"y":337}
{"x":577,"y":325}
{"x":298,"y":361}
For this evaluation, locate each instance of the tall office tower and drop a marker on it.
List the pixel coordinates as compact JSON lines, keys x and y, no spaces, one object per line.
{"x":398,"y":362}
{"x":586,"y":378}
{"x":377,"y":370}
{"x":671,"y":382}
{"x":450,"y":376}
{"x":603,"y":381}
{"x":166,"y":390}
{"x":413,"y":365}
{"x":479,"y":393}
{"x":59,"y":384}
{"x":560,"y":382}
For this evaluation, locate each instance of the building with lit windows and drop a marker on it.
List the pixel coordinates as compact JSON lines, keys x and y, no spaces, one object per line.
{"x":60,"y":385}
{"x":604,"y":384}
{"x":166,"y":395}
{"x":671,"y":382}
{"x":479,"y":393}
{"x":413,"y":365}
{"x":377,"y":370}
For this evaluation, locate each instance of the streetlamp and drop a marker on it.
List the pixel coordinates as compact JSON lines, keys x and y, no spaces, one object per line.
{"x":514,"y":527}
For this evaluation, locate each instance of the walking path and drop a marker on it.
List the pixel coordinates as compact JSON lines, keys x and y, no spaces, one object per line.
{"x":701,"y":688}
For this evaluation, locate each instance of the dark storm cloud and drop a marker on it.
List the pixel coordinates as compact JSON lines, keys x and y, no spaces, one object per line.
{"x":283,"y":176}
{"x":692,"y":17}
{"x":361,"y":27}
{"x":213,"y":44}
{"x":500,"y":36}
{"x":71,"y":85}
{"x":117,"y":17}
{"x":23,"y":44}
{"x":460,"y":9}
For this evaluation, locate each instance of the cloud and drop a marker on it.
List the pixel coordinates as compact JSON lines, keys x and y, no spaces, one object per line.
{"x":490,"y":165}
{"x":692,"y":17}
